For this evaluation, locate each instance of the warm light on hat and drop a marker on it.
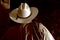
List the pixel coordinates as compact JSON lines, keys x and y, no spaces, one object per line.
{"x":24,"y":10}
{"x":23,"y":14}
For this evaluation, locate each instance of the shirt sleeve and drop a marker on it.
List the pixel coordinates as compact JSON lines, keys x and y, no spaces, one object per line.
{"x":45,"y":32}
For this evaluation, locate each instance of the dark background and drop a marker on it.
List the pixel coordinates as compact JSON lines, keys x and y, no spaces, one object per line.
{"x":49,"y":15}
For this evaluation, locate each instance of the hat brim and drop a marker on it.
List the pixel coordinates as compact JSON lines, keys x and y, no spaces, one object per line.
{"x":13,"y":16}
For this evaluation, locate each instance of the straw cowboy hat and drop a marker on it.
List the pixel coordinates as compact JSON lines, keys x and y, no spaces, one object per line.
{"x":23,"y":14}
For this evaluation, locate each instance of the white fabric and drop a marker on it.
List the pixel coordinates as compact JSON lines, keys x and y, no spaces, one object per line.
{"x":45,"y":32}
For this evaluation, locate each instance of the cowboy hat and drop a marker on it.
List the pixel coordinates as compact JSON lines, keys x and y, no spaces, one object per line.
{"x":23,"y":14}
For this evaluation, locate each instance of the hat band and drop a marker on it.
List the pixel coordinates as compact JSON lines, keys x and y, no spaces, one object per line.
{"x":23,"y":17}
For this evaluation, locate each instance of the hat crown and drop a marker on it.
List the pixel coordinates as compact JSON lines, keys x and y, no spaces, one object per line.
{"x":24,"y":10}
